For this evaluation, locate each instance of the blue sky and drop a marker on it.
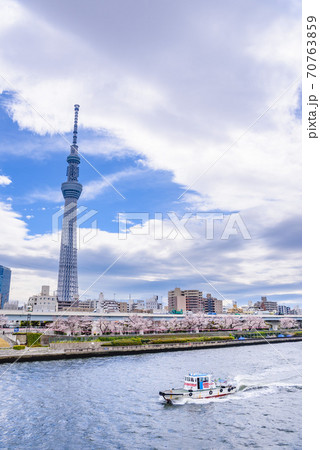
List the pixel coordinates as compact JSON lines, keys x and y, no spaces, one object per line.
{"x":168,"y":107}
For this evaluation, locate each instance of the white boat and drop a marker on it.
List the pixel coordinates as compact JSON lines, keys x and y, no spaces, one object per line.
{"x":199,"y":386}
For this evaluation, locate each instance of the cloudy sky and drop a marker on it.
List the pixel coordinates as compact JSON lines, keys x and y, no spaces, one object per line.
{"x":186,"y":109}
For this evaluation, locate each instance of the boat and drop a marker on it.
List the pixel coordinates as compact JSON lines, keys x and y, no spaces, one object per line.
{"x":199,"y":386}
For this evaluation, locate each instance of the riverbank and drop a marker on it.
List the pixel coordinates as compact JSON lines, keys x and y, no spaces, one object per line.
{"x":94,"y":349}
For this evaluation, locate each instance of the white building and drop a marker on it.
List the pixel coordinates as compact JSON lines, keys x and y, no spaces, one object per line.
{"x":136,"y":304}
{"x":43,"y":302}
{"x":153,"y":303}
{"x":109,"y":306}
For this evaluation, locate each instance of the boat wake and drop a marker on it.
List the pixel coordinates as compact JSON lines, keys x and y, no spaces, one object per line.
{"x":253,"y":386}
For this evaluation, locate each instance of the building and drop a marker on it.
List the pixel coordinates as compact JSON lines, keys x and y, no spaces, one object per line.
{"x":71,"y":190}
{"x":235,"y":309}
{"x":109,"y":306}
{"x":5,"y":279}
{"x":194,"y":302}
{"x":136,"y":306}
{"x":123,"y":307}
{"x":77,"y":305}
{"x":188,"y":300}
{"x":43,"y":302}
{"x":176,"y":300}
{"x":249,"y":308}
{"x":282,"y":310}
{"x":267,"y":305}
{"x":212,"y":305}
{"x":153,"y":303}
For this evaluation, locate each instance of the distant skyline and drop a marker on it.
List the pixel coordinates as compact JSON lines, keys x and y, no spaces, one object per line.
{"x":172,"y":96}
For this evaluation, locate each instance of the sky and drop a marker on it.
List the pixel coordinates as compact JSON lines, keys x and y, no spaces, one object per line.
{"x":187,"y":109}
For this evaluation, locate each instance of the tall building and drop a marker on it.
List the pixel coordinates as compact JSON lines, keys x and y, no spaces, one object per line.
{"x":188,"y":300}
{"x":194,"y":300}
{"x":212,"y":305}
{"x":71,"y":190}
{"x":5,"y":279}
{"x":176,"y":300}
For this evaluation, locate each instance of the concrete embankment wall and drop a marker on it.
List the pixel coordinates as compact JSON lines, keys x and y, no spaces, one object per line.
{"x":90,"y":349}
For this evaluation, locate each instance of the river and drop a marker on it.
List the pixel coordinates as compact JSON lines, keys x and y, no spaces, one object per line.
{"x":113,"y":403}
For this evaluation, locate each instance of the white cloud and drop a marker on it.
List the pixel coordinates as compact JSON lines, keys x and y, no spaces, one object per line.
{"x":4,"y":180}
{"x":46,"y":194}
{"x":96,"y":187}
{"x":232,"y":265}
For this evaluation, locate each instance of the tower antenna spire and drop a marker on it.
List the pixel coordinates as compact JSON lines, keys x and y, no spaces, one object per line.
{"x":75,"y":126}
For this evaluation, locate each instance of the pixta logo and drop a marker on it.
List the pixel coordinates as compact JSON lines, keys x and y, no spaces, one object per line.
{"x":70,"y":217}
{"x":169,"y":226}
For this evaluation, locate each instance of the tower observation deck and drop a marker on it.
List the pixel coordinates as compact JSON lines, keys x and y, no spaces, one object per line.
{"x":71,"y":190}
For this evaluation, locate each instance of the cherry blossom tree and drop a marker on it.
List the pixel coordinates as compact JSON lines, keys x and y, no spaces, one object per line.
{"x":200,"y":322}
{"x":117,"y":327}
{"x":161,"y":326}
{"x":3,"y":321}
{"x":174,"y":324}
{"x":255,"y":323}
{"x":100,"y":326}
{"x":287,"y":322}
{"x":137,"y":324}
{"x":149,"y":326}
{"x":239,"y":323}
{"x":59,"y":326}
{"x":85,"y":325}
{"x":189,"y":323}
{"x":223,"y":322}
{"x":74,"y":326}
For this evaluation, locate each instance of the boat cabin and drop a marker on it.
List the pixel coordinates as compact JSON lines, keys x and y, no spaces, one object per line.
{"x":196,"y":381}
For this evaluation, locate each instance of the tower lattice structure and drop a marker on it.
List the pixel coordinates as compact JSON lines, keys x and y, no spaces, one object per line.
{"x":71,"y":190}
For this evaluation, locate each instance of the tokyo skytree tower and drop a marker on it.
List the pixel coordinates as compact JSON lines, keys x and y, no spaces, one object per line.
{"x":71,"y":190}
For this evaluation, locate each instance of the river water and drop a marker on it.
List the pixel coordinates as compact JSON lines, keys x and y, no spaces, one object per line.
{"x":113,"y":403}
